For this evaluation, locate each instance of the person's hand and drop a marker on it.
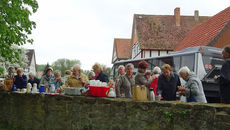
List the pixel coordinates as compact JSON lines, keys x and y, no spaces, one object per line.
{"x":215,"y":78}
{"x":58,"y":90}
{"x":46,"y":85}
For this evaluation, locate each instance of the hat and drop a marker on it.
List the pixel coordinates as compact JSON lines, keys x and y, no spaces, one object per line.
{"x":49,"y":68}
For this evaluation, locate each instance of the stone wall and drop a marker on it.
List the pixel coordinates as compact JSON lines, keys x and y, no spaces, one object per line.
{"x":40,"y":111}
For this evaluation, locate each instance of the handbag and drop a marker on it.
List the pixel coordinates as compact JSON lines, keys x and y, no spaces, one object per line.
{"x":139,"y":93}
{"x":191,"y":97}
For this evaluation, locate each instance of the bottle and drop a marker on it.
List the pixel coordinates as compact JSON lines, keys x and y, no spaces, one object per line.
{"x":14,"y":88}
{"x":151,"y":95}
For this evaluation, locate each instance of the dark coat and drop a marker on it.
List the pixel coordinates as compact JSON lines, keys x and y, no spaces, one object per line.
{"x":168,"y":88}
{"x":224,"y":80}
{"x":20,"y":82}
{"x":36,"y":80}
{"x":102,"y":77}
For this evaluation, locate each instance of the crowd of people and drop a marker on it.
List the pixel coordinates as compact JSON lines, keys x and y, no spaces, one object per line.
{"x":72,"y":78}
{"x":165,"y":84}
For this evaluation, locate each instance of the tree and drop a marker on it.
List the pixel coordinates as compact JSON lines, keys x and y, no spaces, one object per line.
{"x":106,"y":70}
{"x":64,"y":64}
{"x":22,"y":63}
{"x":15,"y":26}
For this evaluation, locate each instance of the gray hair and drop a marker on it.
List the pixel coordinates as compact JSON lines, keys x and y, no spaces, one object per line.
{"x":76,"y":67}
{"x":31,"y":74}
{"x":129,"y":64}
{"x":57,"y":72}
{"x":121,"y":66}
{"x":227,"y":49}
{"x":92,"y":73}
{"x":156,"y":70}
{"x":184,"y":70}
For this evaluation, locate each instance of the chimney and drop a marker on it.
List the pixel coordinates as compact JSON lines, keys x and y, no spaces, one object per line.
{"x":177,"y":15}
{"x":196,"y":15}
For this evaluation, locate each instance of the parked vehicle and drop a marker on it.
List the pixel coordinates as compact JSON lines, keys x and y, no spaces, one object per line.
{"x":204,"y":61}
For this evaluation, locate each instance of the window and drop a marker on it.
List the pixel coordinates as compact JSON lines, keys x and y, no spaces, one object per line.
{"x":176,"y":61}
{"x":189,"y":61}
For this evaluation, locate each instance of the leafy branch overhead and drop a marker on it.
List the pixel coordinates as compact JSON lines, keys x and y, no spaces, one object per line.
{"x":15,"y":25}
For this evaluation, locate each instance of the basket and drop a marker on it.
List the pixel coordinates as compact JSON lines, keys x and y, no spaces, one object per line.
{"x":99,"y":91}
{"x":73,"y":91}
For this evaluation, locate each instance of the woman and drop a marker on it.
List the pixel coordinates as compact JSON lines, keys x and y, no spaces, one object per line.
{"x":48,"y":78}
{"x":167,"y":84}
{"x":10,"y":74}
{"x":20,"y":80}
{"x":33,"y":79}
{"x":77,"y":79}
{"x":140,"y":78}
{"x":156,"y":74}
{"x":193,"y":89}
{"x":126,"y":82}
{"x":91,"y":75}
{"x":99,"y":75}
{"x":58,"y":81}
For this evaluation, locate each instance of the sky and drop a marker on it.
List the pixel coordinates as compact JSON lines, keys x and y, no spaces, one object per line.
{"x":85,"y":29}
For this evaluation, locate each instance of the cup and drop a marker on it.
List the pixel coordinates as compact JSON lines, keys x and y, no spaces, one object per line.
{"x":42,"y":89}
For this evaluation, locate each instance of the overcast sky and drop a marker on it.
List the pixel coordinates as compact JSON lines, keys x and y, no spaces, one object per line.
{"x":85,"y":29}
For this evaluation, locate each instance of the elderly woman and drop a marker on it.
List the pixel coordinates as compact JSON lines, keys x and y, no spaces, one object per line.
{"x":33,"y":79}
{"x":91,"y":75}
{"x":156,"y":74}
{"x":10,"y":74}
{"x":48,"y":78}
{"x":167,"y":84}
{"x":77,"y":79}
{"x":58,"y":81}
{"x":193,"y":89}
{"x":99,"y":75}
{"x":20,"y":80}
{"x":125,"y":82}
{"x":141,"y":78}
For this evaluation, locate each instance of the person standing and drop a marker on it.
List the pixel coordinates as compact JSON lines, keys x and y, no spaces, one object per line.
{"x":224,"y":78}
{"x":99,"y":74}
{"x":167,"y":84}
{"x":126,"y":82}
{"x":156,"y":74}
{"x":193,"y":89}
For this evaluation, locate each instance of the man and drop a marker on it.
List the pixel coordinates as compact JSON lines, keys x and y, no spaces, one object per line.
{"x":224,"y":78}
{"x":193,"y":89}
{"x":33,"y":80}
{"x":167,"y":84}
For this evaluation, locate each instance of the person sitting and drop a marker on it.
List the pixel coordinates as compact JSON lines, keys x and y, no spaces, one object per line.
{"x":67,"y":74}
{"x":91,"y":75}
{"x":77,"y":79}
{"x":20,"y":80}
{"x":58,"y":82}
{"x":193,"y":89}
{"x":99,"y":75}
{"x":10,"y":74}
{"x":126,"y":82}
{"x":33,"y":79}
{"x":48,"y":78}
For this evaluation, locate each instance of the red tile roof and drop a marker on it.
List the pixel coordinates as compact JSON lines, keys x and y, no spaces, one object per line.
{"x":161,"y":32}
{"x":208,"y":32}
{"x":122,"y":48}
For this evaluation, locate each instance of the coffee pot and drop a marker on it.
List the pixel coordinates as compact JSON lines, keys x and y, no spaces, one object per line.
{"x":28,"y":88}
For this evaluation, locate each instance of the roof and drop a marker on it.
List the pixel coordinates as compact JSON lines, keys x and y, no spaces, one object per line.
{"x":161,"y":32}
{"x":208,"y":32}
{"x":122,"y":48}
{"x":30,"y":53}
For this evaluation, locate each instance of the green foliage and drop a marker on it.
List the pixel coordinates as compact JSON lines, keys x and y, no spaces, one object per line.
{"x":169,"y":116}
{"x":106,"y":70}
{"x":64,"y":64}
{"x":40,"y":67}
{"x":15,"y":26}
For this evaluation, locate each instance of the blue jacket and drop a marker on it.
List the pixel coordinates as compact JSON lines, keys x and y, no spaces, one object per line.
{"x":102,"y":77}
{"x":20,"y":82}
{"x":224,"y":80}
